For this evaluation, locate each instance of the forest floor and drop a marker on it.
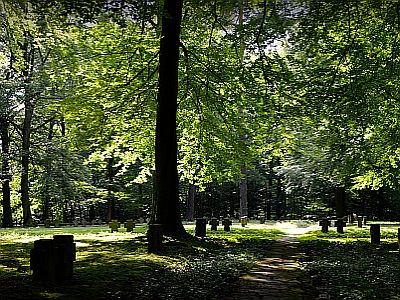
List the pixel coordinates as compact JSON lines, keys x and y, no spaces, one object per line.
{"x":290,"y":260}
{"x":279,"y":276}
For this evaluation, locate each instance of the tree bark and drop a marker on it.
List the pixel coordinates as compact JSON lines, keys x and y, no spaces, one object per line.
{"x":25,"y":156}
{"x":5,"y":173}
{"x":340,"y":201}
{"x":190,"y":202}
{"x":243,"y":192}
{"x":110,"y":195}
{"x":166,"y":185}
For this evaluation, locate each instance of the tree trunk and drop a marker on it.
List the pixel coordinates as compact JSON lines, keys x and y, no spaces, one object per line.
{"x":279,"y":200}
{"x":110,"y":181}
{"x":340,"y":201}
{"x":243,"y":191}
{"x":26,"y":135}
{"x":190,"y":202}
{"x":47,"y":167}
{"x":5,"y":171}
{"x":166,"y":185}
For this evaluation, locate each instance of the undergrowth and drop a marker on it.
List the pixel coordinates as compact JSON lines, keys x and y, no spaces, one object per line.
{"x":117,"y":266}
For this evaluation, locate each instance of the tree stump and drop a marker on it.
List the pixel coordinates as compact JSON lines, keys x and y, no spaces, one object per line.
{"x":154,"y":238}
{"x":375,"y":231}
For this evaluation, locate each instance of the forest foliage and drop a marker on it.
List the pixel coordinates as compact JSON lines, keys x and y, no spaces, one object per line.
{"x":304,"y":93}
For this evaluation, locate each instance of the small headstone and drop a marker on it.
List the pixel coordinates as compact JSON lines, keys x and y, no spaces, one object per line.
{"x":243,"y":221}
{"x":154,"y":238}
{"x":262,"y":220}
{"x":47,"y":223}
{"x":201,"y":227}
{"x":114,"y":225}
{"x":65,"y":255}
{"x":339,"y":224}
{"x":227,"y":224}
{"x":214,"y":223}
{"x":375,"y":231}
{"x":324,"y":223}
{"x":141,"y":220}
{"x":360,"y":222}
{"x":42,"y":261}
{"x":129,"y":225}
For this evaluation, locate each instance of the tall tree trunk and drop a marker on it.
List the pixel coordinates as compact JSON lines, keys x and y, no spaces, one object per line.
{"x":380,"y":197}
{"x":279,"y":200}
{"x":190,"y":202}
{"x":25,"y":156}
{"x":5,"y":171}
{"x":243,"y":169}
{"x":243,"y":191}
{"x":166,"y":184}
{"x":110,"y":181}
{"x":269,"y":199}
{"x":47,"y":167}
{"x":340,"y":201}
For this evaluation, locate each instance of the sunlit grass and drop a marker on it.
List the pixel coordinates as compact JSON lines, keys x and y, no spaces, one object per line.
{"x":347,"y":266}
{"x":117,"y":265}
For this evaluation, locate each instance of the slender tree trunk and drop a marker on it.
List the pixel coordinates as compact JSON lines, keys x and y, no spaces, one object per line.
{"x":269,"y":199}
{"x":243,"y":192}
{"x":243,"y":169}
{"x":47,"y":167}
{"x":380,"y":203}
{"x":190,"y":202}
{"x":25,"y":156}
{"x":166,"y":184}
{"x":340,"y":201}
{"x":5,"y":171}
{"x":110,"y":181}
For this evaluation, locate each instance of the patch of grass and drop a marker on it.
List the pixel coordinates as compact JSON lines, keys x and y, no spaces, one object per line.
{"x":117,"y":266}
{"x":347,"y":266}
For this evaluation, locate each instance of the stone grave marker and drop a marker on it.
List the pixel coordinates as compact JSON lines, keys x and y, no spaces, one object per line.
{"x":51,"y":260}
{"x":129,"y":225}
{"x":244,"y":221}
{"x":47,"y":223}
{"x":42,"y":261}
{"x":324,"y":223}
{"x":227,"y":224}
{"x":360,"y":222}
{"x":262,"y":219}
{"x":65,"y":255}
{"x":340,"y":224}
{"x":214,"y":223}
{"x":375,"y":231}
{"x":114,"y":225}
{"x":201,"y":227}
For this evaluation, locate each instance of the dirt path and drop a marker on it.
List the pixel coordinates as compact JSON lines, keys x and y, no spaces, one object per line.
{"x":277,"y":277}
